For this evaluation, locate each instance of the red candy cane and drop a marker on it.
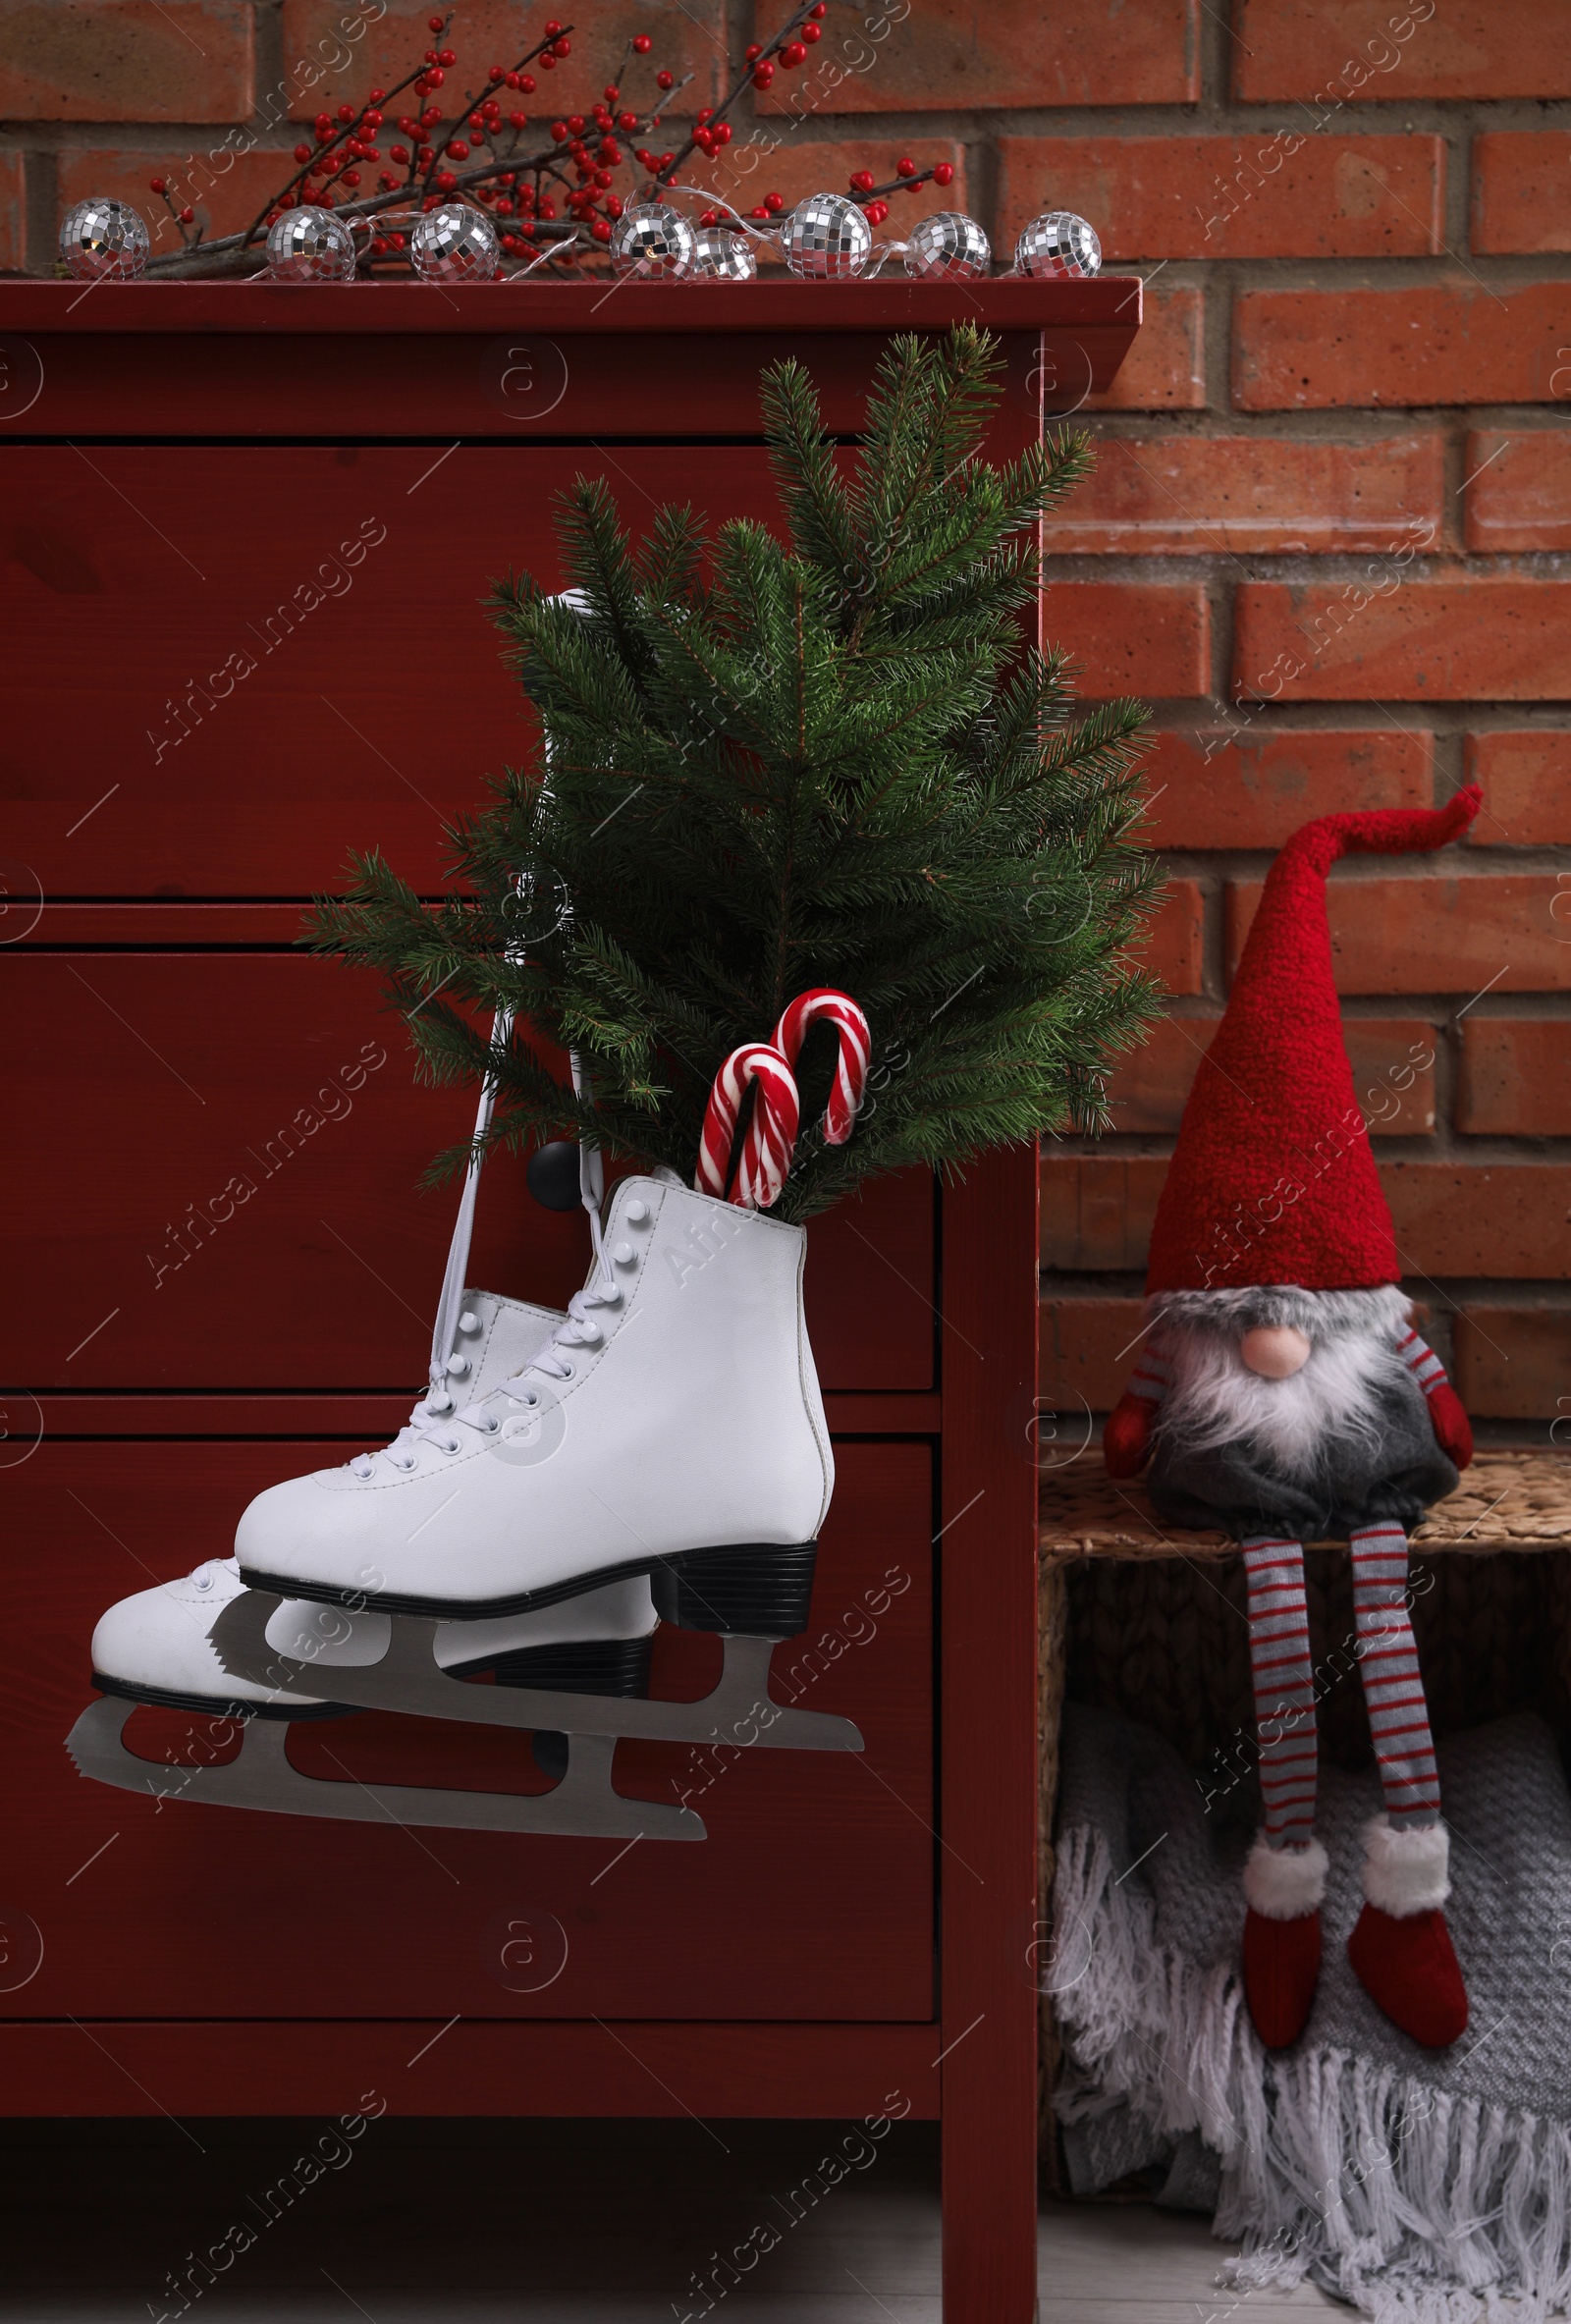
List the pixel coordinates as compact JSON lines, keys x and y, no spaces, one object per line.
{"x":856,"y":1050}
{"x":770,"y":1134}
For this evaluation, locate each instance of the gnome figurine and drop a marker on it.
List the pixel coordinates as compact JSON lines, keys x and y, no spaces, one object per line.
{"x":1283,"y":1396}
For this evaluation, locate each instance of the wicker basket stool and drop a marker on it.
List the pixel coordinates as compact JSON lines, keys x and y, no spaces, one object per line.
{"x":1142,"y":1618}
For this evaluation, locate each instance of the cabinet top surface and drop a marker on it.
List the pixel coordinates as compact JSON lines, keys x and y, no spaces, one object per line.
{"x":1109,"y":302}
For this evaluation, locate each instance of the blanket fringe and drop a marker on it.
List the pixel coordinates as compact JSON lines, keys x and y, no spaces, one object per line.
{"x":1415,"y":2207}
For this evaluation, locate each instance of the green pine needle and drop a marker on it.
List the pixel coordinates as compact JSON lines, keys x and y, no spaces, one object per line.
{"x":774,"y":764}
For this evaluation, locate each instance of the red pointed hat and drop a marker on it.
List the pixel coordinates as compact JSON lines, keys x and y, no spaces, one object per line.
{"x":1272,"y":1180}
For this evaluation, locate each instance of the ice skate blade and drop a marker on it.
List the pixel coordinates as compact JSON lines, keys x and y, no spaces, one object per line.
{"x":582,"y":1805}
{"x":737,"y":1711}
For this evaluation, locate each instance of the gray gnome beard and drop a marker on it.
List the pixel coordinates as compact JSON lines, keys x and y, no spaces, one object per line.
{"x":1293,"y":1428}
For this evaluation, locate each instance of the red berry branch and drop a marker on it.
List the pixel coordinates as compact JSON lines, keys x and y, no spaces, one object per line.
{"x":555,"y":196}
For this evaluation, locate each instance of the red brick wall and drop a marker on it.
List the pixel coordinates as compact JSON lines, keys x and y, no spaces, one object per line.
{"x":1334,"y":472}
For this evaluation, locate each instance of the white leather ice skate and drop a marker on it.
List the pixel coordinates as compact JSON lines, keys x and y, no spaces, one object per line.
{"x":672,"y":1429}
{"x":154,"y":1647}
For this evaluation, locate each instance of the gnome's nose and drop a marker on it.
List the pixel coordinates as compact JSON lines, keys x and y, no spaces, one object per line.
{"x":1275,"y":1350}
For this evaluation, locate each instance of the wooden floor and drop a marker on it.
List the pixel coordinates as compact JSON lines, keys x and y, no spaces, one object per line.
{"x":570,"y":2223}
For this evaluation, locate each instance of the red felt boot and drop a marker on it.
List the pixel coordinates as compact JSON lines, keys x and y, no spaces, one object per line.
{"x":1283,"y":1887}
{"x":1402,"y":1950}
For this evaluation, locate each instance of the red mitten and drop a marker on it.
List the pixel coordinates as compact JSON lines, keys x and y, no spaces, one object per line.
{"x":1453,"y":1433}
{"x":1126,"y":1439}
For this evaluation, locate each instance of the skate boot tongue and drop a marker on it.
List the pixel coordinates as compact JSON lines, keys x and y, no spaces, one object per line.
{"x":492,"y":1340}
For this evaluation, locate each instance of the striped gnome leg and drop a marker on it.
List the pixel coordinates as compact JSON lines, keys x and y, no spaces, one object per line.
{"x":1401,"y":1949}
{"x":1284,"y":1877}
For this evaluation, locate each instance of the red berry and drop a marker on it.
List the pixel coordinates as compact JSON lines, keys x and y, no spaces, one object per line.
{"x":603,"y":179}
{"x":447,"y":181}
{"x":821,"y":11}
{"x":642,"y":44}
{"x":793,"y":53}
{"x":478,"y":122}
{"x":561,"y":48}
{"x":559,"y":131}
{"x":626,"y":122}
{"x":351,"y":177}
{"x":611,"y":93}
{"x":346,"y":112}
{"x":457,"y":148}
{"x":811,"y":31}
{"x":517,"y":121}
{"x":614,"y":204}
{"x":764,"y":77}
{"x":944,"y":174}
{"x":156,"y":185}
{"x":861,"y":181}
{"x":446,"y":57}
{"x":495,"y":72}
{"x":388,"y":182}
{"x":576,"y":124}
{"x":706,"y":113}
{"x":666,"y":160}
{"x":774,"y":202}
{"x":436,"y":23}
{"x":721,"y":132}
{"x":435,"y":78}
{"x":601,"y":230}
{"x":906,"y":167}
{"x":512,"y":80}
{"x":546,"y":61}
{"x":425,"y":156}
{"x":302,"y":153}
{"x":185,"y":217}
{"x":753,"y":52}
{"x":378,"y":96}
{"x":877,"y":213}
{"x":665,"y":80}
{"x":322,"y":123}
{"x":430,"y":56}
{"x":760,"y":212}
{"x":552,"y":27}
{"x":373,"y":121}
{"x":400,"y":154}
{"x":527,"y":84}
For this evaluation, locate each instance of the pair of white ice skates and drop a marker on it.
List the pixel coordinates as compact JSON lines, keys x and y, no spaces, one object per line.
{"x":659,"y":1452}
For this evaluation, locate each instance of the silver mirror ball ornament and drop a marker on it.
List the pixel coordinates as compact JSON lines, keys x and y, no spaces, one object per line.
{"x":309,"y":245}
{"x":947,"y":247}
{"x":103,"y":241}
{"x":1058,"y":243}
{"x":722,"y":256}
{"x":651,"y":242}
{"x":827,"y":238}
{"x":456,"y":243}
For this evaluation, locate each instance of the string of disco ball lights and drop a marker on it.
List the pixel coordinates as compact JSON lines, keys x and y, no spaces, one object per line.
{"x":826,"y":238}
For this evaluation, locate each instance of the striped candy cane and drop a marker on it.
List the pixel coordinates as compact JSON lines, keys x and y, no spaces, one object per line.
{"x":856,"y":1050}
{"x":770,"y":1134}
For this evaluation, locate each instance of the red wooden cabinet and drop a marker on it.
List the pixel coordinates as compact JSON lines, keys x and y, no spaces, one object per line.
{"x":248,"y":536}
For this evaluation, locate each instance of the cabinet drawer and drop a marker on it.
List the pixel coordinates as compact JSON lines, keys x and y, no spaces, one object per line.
{"x":219,"y":1165}
{"x":811,"y":1897}
{"x":229,"y":665}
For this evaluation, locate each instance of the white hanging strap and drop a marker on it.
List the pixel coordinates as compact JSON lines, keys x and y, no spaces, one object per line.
{"x":454,"y":1282}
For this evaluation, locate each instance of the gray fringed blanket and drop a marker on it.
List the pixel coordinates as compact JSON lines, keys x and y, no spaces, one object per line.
{"x":1429,"y":2187}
